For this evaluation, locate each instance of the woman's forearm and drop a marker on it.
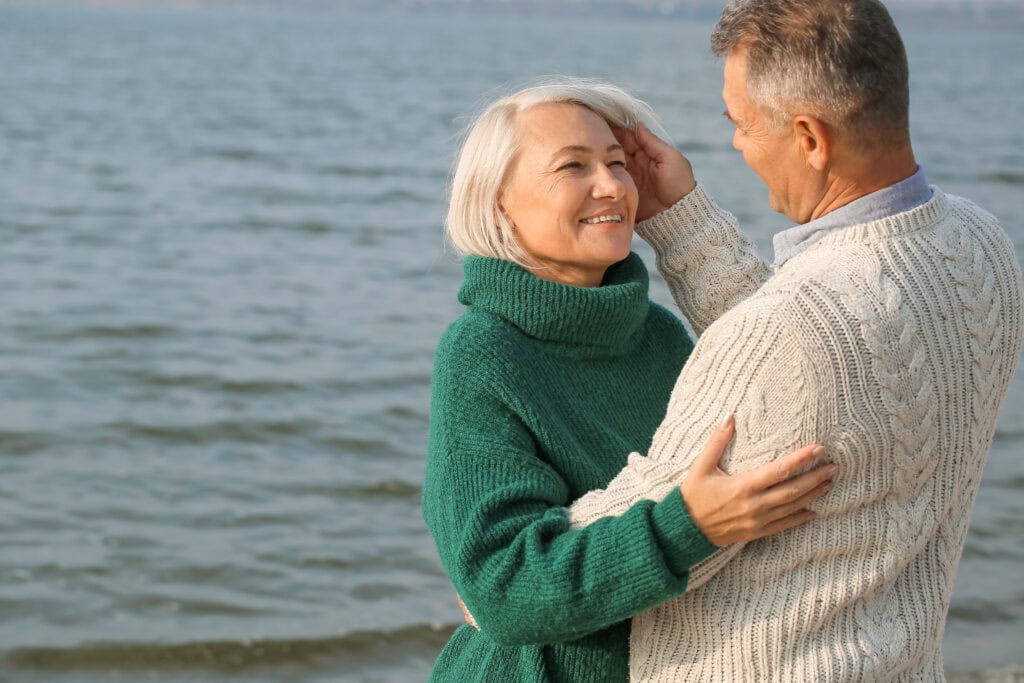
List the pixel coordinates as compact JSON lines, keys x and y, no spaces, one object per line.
{"x":528,"y":578}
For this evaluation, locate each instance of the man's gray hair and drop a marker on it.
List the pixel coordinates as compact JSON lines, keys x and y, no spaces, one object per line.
{"x":475,"y":223}
{"x":842,"y":61}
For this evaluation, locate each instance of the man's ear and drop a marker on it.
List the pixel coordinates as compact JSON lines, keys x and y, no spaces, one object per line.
{"x":815,"y":141}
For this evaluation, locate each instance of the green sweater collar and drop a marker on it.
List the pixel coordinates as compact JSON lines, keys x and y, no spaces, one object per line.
{"x":607,"y":319}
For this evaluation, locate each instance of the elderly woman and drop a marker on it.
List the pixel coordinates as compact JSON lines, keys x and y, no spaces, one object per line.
{"x":560,"y":367}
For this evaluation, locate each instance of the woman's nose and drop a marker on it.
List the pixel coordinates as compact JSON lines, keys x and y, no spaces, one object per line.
{"x":608,"y":184}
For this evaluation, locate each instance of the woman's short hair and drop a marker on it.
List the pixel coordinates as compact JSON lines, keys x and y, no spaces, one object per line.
{"x":475,"y":223}
{"x":842,"y":61}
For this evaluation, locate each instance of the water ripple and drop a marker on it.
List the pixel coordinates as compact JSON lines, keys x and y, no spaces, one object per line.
{"x":232,"y":656}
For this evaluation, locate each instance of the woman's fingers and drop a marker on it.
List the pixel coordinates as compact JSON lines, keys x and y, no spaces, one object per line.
{"x":714,"y":449}
{"x":777,"y":471}
{"x":800,"y":504}
{"x":465,"y":613}
{"x":788,"y":522}
{"x":787,"y":492}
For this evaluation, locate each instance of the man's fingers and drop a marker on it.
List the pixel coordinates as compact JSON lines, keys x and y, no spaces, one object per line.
{"x":707,"y":461}
{"x":626,"y":138}
{"x":654,"y":146}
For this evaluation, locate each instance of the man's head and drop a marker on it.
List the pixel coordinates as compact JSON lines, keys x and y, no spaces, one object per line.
{"x":810,"y":83}
{"x":840,"y":60}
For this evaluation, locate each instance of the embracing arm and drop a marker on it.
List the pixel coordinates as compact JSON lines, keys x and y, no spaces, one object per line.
{"x":496,"y":511}
{"x":751,"y":364}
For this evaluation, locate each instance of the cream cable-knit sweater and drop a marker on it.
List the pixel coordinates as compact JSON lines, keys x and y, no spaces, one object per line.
{"x":892,"y":343}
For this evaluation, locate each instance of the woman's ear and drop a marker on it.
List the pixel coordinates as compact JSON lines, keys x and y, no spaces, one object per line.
{"x":815,"y":141}
{"x":499,"y":212}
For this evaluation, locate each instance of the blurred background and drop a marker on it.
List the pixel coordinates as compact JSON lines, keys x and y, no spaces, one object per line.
{"x":222,"y":279}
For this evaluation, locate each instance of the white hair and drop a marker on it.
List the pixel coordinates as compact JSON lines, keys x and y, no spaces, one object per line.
{"x":475,"y":223}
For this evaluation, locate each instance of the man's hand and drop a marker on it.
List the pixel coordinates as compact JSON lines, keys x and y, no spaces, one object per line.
{"x":662,"y":175}
{"x":767,"y":500}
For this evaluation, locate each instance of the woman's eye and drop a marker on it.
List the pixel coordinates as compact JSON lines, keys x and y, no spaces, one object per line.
{"x":617,"y":163}
{"x":572,"y":165}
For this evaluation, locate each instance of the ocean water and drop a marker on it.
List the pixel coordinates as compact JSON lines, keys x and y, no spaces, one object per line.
{"x":222,"y":279}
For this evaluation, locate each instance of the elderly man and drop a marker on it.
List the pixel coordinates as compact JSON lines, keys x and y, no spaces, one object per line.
{"x":889,"y":331}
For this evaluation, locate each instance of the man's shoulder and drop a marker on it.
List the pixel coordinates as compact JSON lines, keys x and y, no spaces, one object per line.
{"x":967,"y":207}
{"x":810,"y":299}
{"x":979,"y":225}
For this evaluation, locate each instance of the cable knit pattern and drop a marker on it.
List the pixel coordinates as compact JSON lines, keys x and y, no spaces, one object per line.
{"x":716,"y":269}
{"x":893,"y":343}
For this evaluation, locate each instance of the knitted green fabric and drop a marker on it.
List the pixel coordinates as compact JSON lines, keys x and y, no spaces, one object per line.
{"x":540,"y":392}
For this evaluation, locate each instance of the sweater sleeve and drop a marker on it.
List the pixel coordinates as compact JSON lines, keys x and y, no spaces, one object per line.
{"x":496,"y":511}
{"x":747,"y":364}
{"x":708,"y":264}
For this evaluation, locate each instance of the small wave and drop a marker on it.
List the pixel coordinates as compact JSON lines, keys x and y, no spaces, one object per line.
{"x":399,"y":195}
{"x":117,"y":187}
{"x":1003,"y":177}
{"x":391,"y":488}
{"x":232,"y":153}
{"x":378,"y":383}
{"x":268,"y":195}
{"x":25,"y":227}
{"x":1008,"y":435}
{"x":977,"y":611}
{"x":253,"y":387}
{"x":1010,"y":483}
{"x":354,"y":444}
{"x":695,"y":146}
{"x":253,"y":431}
{"x":234,"y":655}
{"x":355,"y":171}
{"x":312,"y":226}
{"x":21,"y":443}
{"x":1013,"y":675}
{"x":140,"y":331}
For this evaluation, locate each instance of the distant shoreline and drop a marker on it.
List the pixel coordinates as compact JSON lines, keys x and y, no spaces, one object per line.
{"x":980,"y":14}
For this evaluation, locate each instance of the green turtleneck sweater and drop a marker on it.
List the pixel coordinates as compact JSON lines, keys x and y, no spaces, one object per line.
{"x":540,"y":391}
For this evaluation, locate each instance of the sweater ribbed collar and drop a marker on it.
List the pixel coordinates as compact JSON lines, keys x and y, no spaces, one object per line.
{"x":605,"y":319}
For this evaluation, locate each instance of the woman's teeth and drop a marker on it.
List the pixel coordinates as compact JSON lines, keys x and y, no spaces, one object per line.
{"x":613,"y":218}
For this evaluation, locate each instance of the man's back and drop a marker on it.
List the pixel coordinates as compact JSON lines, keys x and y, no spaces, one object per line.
{"x":892,"y":343}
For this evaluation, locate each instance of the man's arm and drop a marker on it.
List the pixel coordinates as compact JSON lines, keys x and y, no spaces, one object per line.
{"x":708,"y":264}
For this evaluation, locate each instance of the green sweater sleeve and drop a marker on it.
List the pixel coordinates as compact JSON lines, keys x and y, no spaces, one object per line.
{"x":496,"y":511}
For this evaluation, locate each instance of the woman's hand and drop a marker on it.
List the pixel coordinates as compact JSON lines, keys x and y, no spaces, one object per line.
{"x":743,"y":507}
{"x":661,"y":174}
{"x":465,"y":613}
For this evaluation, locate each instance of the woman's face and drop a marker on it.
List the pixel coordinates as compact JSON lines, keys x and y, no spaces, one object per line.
{"x":568,"y":194}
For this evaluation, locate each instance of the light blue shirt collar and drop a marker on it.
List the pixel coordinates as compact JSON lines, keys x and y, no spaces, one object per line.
{"x":888,"y":201}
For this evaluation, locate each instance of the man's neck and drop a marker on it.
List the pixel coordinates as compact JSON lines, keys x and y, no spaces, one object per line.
{"x":862,"y":175}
